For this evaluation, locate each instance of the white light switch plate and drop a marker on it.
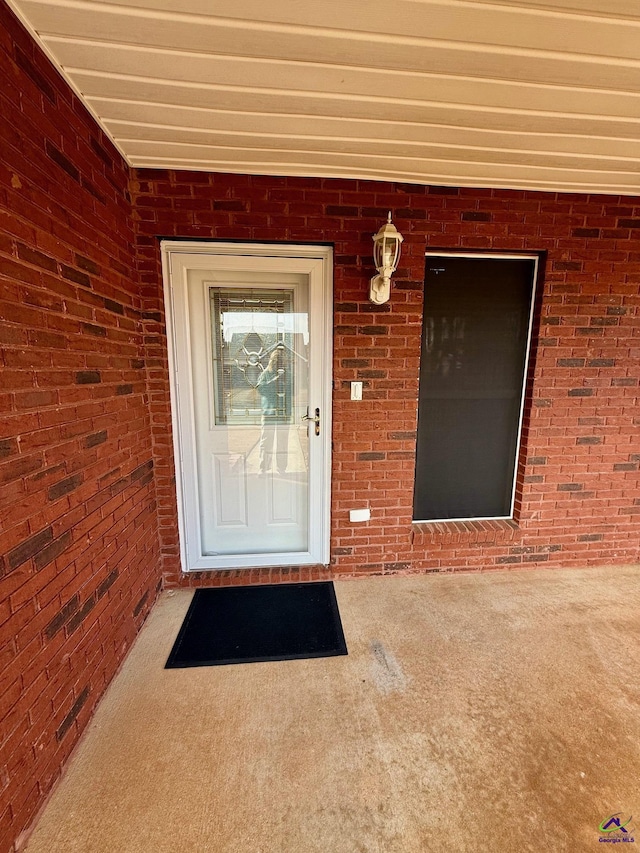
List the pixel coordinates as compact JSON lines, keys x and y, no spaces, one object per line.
{"x":356,"y":390}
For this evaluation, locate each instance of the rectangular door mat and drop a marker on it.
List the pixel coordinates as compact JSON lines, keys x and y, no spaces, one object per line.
{"x":247,"y":624}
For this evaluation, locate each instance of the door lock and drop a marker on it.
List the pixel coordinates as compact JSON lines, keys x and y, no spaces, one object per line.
{"x":315,"y":419}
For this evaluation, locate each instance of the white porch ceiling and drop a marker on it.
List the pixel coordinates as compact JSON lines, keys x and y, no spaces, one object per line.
{"x":535,"y":94}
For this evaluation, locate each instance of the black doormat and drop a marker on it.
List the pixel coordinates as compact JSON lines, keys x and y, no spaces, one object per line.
{"x":247,"y":624}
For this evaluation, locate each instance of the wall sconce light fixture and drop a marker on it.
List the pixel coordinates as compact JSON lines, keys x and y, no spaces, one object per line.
{"x":386,"y":254}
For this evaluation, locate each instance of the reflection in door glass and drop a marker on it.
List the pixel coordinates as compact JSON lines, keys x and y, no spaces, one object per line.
{"x":260,"y":372}
{"x":257,"y":342}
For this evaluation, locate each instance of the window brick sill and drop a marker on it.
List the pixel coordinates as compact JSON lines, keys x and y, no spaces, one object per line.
{"x":453,"y":532}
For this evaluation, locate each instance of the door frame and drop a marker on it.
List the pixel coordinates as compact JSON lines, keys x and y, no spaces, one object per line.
{"x":310,"y":258}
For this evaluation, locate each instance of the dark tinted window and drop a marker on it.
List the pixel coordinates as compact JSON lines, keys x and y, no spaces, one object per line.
{"x":474,"y":347}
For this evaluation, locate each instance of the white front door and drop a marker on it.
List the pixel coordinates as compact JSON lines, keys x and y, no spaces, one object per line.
{"x":250,"y":347}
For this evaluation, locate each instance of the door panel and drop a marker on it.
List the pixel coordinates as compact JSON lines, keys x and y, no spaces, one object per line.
{"x":251,"y":362}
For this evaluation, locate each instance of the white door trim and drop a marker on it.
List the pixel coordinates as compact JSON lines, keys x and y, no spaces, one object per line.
{"x":313,"y":260}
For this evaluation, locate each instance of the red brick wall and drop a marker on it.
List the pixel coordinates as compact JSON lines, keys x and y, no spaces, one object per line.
{"x":79,"y":560}
{"x":578,"y":481}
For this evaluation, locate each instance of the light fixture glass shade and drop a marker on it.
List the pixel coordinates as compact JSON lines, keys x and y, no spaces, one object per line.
{"x":386,"y":255}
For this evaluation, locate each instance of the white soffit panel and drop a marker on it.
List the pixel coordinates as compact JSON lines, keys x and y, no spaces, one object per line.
{"x":528,"y":94}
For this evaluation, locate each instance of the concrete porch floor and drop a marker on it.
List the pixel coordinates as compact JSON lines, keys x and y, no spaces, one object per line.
{"x":492,"y":712}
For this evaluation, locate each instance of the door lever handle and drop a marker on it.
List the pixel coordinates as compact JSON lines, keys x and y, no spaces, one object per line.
{"x":315,"y":419}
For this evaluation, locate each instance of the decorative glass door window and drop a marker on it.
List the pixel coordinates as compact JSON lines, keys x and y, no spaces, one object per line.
{"x":258,"y":344}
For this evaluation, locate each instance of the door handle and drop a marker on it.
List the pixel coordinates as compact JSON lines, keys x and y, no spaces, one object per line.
{"x":315,"y":419}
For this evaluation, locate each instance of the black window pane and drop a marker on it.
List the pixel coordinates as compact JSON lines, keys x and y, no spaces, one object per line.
{"x":474,"y":346}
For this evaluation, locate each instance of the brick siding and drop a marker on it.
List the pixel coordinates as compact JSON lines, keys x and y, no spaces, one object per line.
{"x":578,"y":495}
{"x":79,"y":558}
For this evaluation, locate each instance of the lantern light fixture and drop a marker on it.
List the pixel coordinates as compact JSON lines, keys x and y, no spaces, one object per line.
{"x":386,"y":254}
